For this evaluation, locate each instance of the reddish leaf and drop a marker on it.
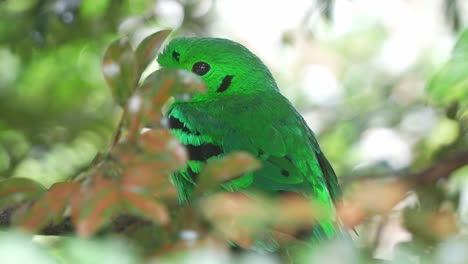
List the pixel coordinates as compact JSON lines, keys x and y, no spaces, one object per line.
{"x":244,"y":218}
{"x":297,"y":213}
{"x":50,"y":207}
{"x":361,"y":203}
{"x":15,"y":190}
{"x":126,"y":153}
{"x":146,"y":167}
{"x":161,"y":141}
{"x":156,"y":140}
{"x":148,"y":178}
{"x":148,"y":49}
{"x":120,"y":70}
{"x":96,"y":206}
{"x":147,"y":207}
{"x":236,"y":216}
{"x":160,"y":86}
{"x":218,"y":171}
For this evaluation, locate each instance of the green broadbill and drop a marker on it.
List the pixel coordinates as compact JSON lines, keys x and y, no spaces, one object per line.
{"x":243,"y":109}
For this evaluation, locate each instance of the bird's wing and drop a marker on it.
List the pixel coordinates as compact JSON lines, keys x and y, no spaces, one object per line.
{"x":269,"y":127}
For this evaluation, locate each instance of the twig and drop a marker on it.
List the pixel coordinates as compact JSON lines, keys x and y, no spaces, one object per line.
{"x":440,"y":170}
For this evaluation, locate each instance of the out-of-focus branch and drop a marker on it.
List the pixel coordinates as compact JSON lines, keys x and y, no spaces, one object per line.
{"x":376,"y":196}
{"x":440,"y":170}
{"x":120,"y":224}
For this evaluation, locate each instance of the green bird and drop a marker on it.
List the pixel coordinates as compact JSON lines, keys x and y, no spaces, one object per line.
{"x":243,"y":110}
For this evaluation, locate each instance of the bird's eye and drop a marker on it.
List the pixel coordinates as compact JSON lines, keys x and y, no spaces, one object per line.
{"x":176,"y":55}
{"x":201,"y":68}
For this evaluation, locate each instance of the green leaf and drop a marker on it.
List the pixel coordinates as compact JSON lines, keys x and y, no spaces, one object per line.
{"x":148,"y":49}
{"x":93,"y":8}
{"x":120,"y":70}
{"x":15,"y":190}
{"x":450,"y":83}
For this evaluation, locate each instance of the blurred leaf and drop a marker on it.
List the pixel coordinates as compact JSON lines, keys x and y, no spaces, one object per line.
{"x":451,"y":82}
{"x":218,"y":171}
{"x":15,"y":190}
{"x":147,"y":207}
{"x":120,"y":70}
{"x":139,"y":7}
{"x":297,"y":212}
{"x":362,"y":203}
{"x":96,"y":207}
{"x":159,"y":86}
{"x":161,"y":142}
{"x":50,"y":207}
{"x":18,"y":5}
{"x":147,"y":168}
{"x":431,"y":226}
{"x":444,"y":133}
{"x":246,"y":219}
{"x":148,"y":177}
{"x":111,"y":249}
{"x":236,"y":216}
{"x":16,"y":247}
{"x":148,"y":49}
{"x":93,"y":8}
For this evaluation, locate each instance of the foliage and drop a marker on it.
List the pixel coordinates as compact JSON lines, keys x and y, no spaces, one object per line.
{"x":73,"y":154}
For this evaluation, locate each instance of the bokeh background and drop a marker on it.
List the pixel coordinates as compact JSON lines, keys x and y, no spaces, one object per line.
{"x":377,"y":80}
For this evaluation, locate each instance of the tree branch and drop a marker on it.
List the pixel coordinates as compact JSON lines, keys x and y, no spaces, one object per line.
{"x":439,"y":170}
{"x":119,"y":224}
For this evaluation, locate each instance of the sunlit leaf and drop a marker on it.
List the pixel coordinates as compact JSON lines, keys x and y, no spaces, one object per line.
{"x":218,"y":171}
{"x":451,"y":82}
{"x":15,"y":190}
{"x":120,"y":70}
{"x":92,"y":9}
{"x":148,"y":49}
{"x":50,"y":207}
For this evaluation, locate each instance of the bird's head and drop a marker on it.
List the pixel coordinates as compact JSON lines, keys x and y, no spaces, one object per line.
{"x":225,"y":66}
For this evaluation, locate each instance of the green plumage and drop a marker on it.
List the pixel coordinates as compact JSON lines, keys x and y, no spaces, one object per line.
{"x":244,"y":110}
